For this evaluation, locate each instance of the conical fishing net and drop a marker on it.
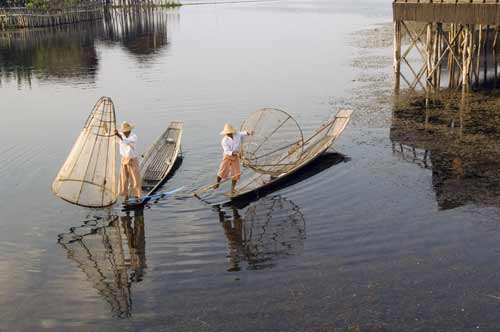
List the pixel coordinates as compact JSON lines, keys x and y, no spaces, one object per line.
{"x":88,"y":176}
{"x":276,"y":144}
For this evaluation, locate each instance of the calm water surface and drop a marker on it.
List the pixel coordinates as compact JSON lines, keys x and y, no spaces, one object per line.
{"x":396,"y":231}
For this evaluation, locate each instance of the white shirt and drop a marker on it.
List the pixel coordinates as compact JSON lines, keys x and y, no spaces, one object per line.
{"x":232,"y":145}
{"x":127,"y":145}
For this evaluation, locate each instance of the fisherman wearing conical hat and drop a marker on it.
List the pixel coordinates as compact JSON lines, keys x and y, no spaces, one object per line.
{"x":230,"y":163}
{"x":129,"y":165}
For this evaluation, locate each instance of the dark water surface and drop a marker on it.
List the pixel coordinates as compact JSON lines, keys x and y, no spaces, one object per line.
{"x":398,"y":231}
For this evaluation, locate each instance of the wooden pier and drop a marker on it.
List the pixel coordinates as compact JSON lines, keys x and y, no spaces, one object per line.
{"x":16,"y":18}
{"x":456,"y":41}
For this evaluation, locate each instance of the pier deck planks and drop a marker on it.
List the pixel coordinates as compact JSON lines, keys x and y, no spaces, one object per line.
{"x":485,"y":12}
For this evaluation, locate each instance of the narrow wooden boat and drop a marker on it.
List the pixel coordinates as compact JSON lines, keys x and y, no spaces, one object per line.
{"x":322,"y":139}
{"x":159,"y":161}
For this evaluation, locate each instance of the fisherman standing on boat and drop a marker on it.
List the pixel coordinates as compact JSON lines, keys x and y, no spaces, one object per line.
{"x":129,"y":165}
{"x":231,"y":155}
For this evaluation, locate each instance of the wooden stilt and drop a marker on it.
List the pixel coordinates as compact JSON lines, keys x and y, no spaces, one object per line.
{"x":478,"y":60}
{"x":470,"y":53}
{"x":465,"y":60}
{"x":485,"y":53}
{"x":494,"y":49}
{"x":451,"y":62}
{"x":397,"y":55}
{"x":438,"y":49}
{"x":428,"y":57}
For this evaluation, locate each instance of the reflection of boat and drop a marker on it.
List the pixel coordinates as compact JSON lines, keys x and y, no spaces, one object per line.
{"x":271,"y":229}
{"x":98,"y":248}
{"x":312,"y":148}
{"x":160,"y":160}
{"x":459,"y":145}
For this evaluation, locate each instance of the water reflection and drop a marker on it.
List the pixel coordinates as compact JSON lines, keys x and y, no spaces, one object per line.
{"x":69,"y":52}
{"x":270,"y":229}
{"x":457,"y":138}
{"x":111,"y":265}
{"x":142,"y":31}
{"x":59,"y":53}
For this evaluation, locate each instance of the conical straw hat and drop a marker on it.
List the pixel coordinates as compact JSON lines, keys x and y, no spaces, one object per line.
{"x":125,"y":126}
{"x":228,"y":129}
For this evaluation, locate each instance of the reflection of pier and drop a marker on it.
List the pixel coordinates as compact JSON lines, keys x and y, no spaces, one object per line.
{"x":69,"y":52}
{"x":460,"y":145}
{"x":141,"y":30}
{"x":457,"y":35}
{"x":98,"y":248}
{"x":412,"y":154}
{"x":60,"y":53}
{"x":271,"y":228}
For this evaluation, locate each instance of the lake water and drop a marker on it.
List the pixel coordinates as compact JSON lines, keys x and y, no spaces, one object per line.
{"x":398,"y":230}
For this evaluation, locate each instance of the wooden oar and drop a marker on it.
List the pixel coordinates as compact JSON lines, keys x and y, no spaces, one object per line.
{"x":205,"y":189}
{"x":154,"y":196}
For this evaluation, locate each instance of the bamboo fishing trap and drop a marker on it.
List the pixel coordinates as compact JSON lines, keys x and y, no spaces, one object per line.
{"x":88,"y":176}
{"x":277,"y":145}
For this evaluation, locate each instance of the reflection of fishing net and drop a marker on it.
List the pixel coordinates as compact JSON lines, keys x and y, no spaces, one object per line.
{"x":276,"y":144}
{"x":274,"y":227}
{"x":97,"y":248}
{"x":109,"y":263}
{"x":88,"y":176}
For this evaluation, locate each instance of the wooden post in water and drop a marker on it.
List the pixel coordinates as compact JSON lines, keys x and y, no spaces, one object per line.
{"x":428,"y":58}
{"x":478,"y":60}
{"x":451,"y":61}
{"x":437,"y":56}
{"x":397,"y":55}
{"x":470,"y":54}
{"x":465,"y":59}
{"x":485,"y":52}
{"x":494,"y":50}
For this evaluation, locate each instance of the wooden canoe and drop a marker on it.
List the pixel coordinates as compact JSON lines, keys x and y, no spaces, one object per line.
{"x":159,"y":160}
{"x":314,"y":146}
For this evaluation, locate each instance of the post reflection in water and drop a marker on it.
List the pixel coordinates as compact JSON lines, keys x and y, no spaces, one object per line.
{"x":69,"y":52}
{"x":457,"y":138}
{"x":60,"y":53}
{"x":271,"y":228}
{"x":142,"y":31}
{"x":111,"y":251}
